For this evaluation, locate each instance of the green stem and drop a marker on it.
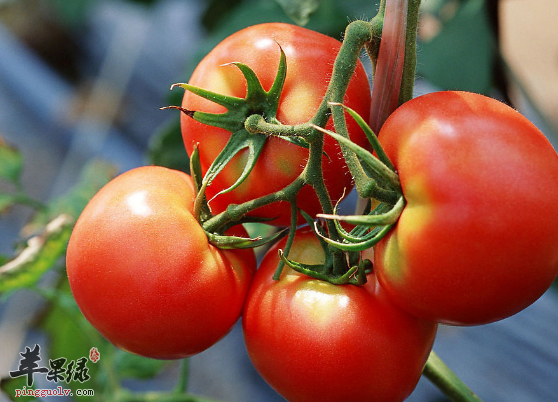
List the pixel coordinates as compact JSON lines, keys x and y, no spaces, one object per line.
{"x":376,"y":25}
{"x":410,"y":63}
{"x":446,"y":380}
{"x":290,"y":239}
{"x":357,"y":35}
{"x":182,"y":384}
{"x":256,"y":124}
{"x":381,"y":173}
{"x":313,"y":175}
{"x":235,"y":212}
{"x":24,"y":199}
{"x":371,"y":220}
{"x":371,"y":135}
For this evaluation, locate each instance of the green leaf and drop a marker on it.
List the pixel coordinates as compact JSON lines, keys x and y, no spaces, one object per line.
{"x":166,"y":147}
{"x":53,"y":225}
{"x":6,"y":201}
{"x":40,"y":254}
{"x":131,"y":366}
{"x":9,"y":386}
{"x":462,"y":55}
{"x":94,"y":176}
{"x":70,"y":336}
{"x":11,"y":163}
{"x":299,"y":10}
{"x":19,"y":197}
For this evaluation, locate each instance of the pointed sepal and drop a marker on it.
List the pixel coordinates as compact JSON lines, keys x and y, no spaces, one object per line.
{"x":227,"y":242}
{"x":257,"y":101}
{"x":355,"y":275}
{"x":241,"y":140}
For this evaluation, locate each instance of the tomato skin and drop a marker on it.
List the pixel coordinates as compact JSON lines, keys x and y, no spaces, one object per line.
{"x":310,"y":56}
{"x":478,"y":239}
{"x":143,"y":273}
{"x":314,"y":341}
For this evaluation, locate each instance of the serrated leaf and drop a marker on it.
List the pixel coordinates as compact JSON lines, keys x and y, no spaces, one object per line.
{"x":94,"y":176}
{"x":11,"y":163}
{"x":9,"y":386}
{"x":166,"y":148}
{"x":40,"y":254}
{"x":299,"y":10}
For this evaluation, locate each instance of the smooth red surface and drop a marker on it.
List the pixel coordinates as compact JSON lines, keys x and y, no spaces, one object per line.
{"x":478,"y":239}
{"x":143,"y":273}
{"x":310,"y":56}
{"x":314,"y":341}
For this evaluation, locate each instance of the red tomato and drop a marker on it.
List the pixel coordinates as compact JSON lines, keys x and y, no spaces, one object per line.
{"x":314,"y":341}
{"x":143,"y":273}
{"x":478,"y":238}
{"x":310,"y":56}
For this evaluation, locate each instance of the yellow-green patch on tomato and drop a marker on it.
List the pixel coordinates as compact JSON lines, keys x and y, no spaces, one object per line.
{"x":478,"y":239}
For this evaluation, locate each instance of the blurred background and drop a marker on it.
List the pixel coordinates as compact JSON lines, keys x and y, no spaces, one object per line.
{"x":82,"y":81}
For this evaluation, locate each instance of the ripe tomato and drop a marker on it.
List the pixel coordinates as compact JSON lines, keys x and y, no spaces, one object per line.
{"x":478,"y":238}
{"x":143,"y":273}
{"x":314,"y":341}
{"x":310,"y":56}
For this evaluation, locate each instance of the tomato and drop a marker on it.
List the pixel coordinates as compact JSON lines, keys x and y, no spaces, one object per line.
{"x":143,"y":273}
{"x":309,"y":56}
{"x":478,"y":238}
{"x":314,"y":341}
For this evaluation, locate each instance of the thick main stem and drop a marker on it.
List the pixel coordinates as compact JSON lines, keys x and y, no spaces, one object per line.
{"x":410,"y":63}
{"x":357,"y":34}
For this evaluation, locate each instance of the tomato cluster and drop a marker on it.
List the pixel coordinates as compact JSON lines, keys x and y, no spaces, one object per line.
{"x":477,"y":240}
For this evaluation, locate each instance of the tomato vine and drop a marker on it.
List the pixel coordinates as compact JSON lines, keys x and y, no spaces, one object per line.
{"x":378,"y":249}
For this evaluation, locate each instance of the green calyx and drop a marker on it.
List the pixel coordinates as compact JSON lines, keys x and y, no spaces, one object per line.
{"x":355,"y":275}
{"x":378,"y":180}
{"x":202,"y":213}
{"x":340,"y":267}
{"x":258,"y":102}
{"x":369,"y":229}
{"x":253,"y":119}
